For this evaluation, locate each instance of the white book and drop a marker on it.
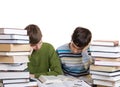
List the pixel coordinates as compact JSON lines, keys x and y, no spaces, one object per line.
{"x":14,"y":53}
{"x":108,"y":78}
{"x":15,"y":80}
{"x":106,"y":54}
{"x":105,"y":42}
{"x":105,"y":73}
{"x":31,"y":83}
{"x":14,"y":41}
{"x":13,"y":31}
{"x":107,"y":83}
{"x":105,"y":48}
{"x":12,"y":67}
{"x":14,"y":36}
{"x":107,"y":63}
{"x":14,"y":75}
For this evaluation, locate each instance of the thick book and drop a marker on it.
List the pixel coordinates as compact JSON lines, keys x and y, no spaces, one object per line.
{"x":31,"y":83}
{"x":13,"y":31}
{"x":14,"y":47}
{"x":105,"y":73}
{"x":14,"y":41}
{"x":13,"y":53}
{"x":104,"y":68}
{"x":14,"y":59}
{"x":107,"y":59}
{"x":13,"y":66}
{"x":15,"y":80}
{"x":106,"y":83}
{"x":107,"y":63}
{"x":14,"y":75}
{"x":14,"y":36}
{"x":106,"y":54}
{"x":108,"y":78}
{"x":105,"y":42}
{"x":105,"y":48}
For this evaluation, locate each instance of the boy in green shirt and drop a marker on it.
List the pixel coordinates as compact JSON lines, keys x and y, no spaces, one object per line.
{"x":43,"y":59}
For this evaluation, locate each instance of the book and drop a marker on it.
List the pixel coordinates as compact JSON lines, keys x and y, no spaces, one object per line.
{"x":14,"y":36}
{"x":13,"y":67}
{"x":105,"y":73}
{"x":106,"y":83}
{"x":31,"y":83}
{"x":14,"y":47}
{"x":108,"y":78}
{"x":14,"y":75}
{"x":107,"y":59}
{"x":105,"y":54}
{"x":14,"y":41}
{"x":49,"y":79}
{"x":107,"y":63}
{"x":13,"y":31}
{"x":15,"y":80}
{"x":104,"y":68}
{"x":14,"y":59}
{"x":105,"y":42}
{"x":61,"y":81}
{"x":105,"y":48}
{"x":13,"y":53}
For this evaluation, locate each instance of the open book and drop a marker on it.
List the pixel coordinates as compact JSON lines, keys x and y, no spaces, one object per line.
{"x":61,"y":81}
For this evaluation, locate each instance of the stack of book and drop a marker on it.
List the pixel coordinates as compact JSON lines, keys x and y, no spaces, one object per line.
{"x":106,"y":68}
{"x":14,"y":51}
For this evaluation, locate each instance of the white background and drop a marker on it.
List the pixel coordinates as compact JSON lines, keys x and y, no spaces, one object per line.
{"x":58,"y":18}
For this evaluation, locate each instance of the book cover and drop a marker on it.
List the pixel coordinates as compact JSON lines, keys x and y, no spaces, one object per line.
{"x":14,"y":75}
{"x":105,"y":73}
{"x":106,"y":83}
{"x":106,"y":54}
{"x":14,"y":36}
{"x":14,"y":53}
{"x":14,"y":47}
{"x":104,"y":68}
{"x":14,"y":41}
{"x":13,"y":31}
{"x":105,"y":48}
{"x":105,"y":42}
{"x":13,"y":66}
{"x":108,"y":78}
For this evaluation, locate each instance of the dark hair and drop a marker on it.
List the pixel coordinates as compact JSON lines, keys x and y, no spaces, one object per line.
{"x":34,"y":33}
{"x":81,"y":37}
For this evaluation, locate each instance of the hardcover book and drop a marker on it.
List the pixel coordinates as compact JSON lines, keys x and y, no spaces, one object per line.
{"x":105,"y":42}
{"x":14,"y":47}
{"x":106,"y":83}
{"x":104,"y":68}
{"x":13,"y":67}
{"x":14,"y":41}
{"x":14,"y":36}
{"x":11,"y":53}
{"x":13,"y":31}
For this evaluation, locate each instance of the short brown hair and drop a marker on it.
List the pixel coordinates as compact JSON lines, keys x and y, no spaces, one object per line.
{"x":34,"y":33}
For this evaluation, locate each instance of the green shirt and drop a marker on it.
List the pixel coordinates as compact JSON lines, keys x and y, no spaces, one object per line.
{"x":44,"y":61}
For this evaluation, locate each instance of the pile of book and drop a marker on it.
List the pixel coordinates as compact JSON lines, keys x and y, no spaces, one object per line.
{"x":106,"y":68}
{"x":14,"y":51}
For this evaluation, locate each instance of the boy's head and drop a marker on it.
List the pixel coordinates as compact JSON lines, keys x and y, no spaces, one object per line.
{"x":81,"y":38}
{"x":35,"y":36}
